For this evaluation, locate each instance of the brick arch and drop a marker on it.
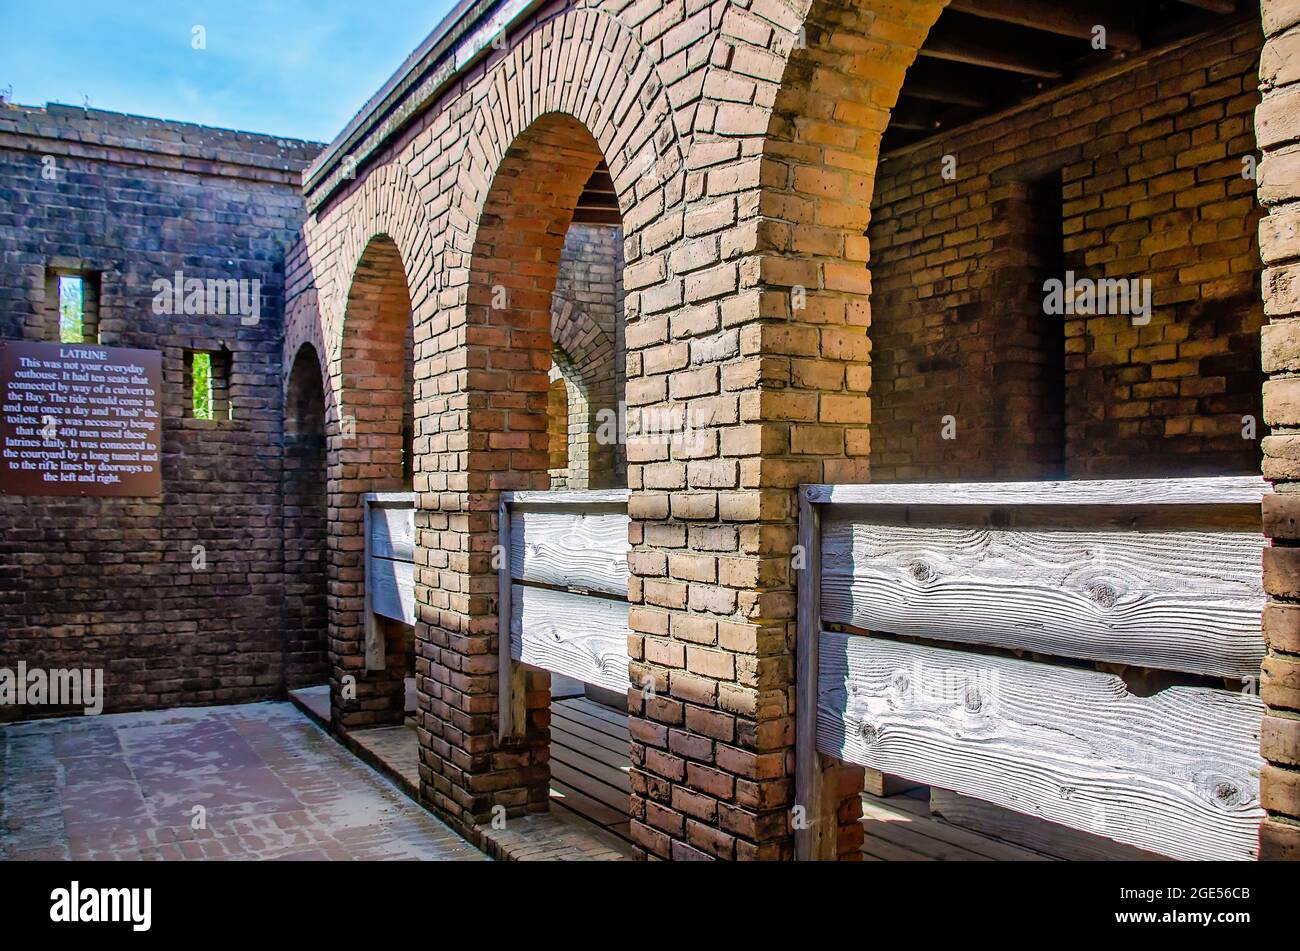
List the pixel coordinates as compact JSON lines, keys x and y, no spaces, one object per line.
{"x":583,"y":341}
{"x":385,"y":204}
{"x":498,"y":379}
{"x":630,"y":118}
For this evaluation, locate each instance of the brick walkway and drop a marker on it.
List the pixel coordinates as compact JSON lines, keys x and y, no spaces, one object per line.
{"x":274,"y":786}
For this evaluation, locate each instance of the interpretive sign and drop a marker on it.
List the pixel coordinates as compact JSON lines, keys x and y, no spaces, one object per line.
{"x":80,"y":419}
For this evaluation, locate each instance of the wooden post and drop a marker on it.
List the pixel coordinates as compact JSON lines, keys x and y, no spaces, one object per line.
{"x":505,"y":666}
{"x":374,"y":647}
{"x":816,"y":830}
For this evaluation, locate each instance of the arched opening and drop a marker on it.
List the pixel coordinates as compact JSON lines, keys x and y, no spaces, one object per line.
{"x":372,"y":639}
{"x":588,"y":348}
{"x":305,"y":526}
{"x":558,"y":403}
{"x":1050,"y":148}
{"x":1053,"y":276}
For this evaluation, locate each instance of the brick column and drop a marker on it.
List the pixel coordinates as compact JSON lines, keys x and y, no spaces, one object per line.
{"x":747,"y":319}
{"x":1277,"y":125}
{"x":483,"y":412}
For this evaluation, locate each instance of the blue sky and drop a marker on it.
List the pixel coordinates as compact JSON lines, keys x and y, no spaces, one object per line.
{"x":294,"y":68}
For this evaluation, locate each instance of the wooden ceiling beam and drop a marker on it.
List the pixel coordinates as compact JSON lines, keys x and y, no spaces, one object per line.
{"x":940,"y":92}
{"x":1214,"y":6}
{"x":911,"y":125}
{"x":977,"y":54}
{"x":1074,"y":22}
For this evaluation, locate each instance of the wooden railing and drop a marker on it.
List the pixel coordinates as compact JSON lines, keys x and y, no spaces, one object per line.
{"x":562,"y":563}
{"x":563,"y":580}
{"x":1086,"y":653}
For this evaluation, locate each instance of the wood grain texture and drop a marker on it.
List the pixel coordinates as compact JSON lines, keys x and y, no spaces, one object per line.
{"x":1176,"y":773}
{"x":392,"y":532}
{"x":392,"y":589}
{"x":577,"y":635}
{"x":1186,"y":601}
{"x":1215,"y":490}
{"x":566,"y":548}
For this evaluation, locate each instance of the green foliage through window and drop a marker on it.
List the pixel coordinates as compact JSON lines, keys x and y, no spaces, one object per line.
{"x":71,"y":310}
{"x":201,"y":372}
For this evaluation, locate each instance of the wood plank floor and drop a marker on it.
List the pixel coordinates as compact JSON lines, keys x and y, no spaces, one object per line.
{"x":900,"y":829}
{"x":590,"y":759}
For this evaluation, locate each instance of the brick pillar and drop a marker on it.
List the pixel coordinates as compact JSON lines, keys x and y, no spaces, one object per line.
{"x":365,"y":442}
{"x":1277,"y":126}
{"x":484,"y":413}
{"x":748,"y":317}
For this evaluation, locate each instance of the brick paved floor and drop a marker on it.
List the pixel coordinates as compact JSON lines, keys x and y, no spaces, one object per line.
{"x":274,"y":786}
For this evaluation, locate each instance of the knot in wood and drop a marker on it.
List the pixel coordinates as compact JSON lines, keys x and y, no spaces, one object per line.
{"x":1228,"y":793}
{"x":1102,"y":594}
{"x":869,"y":732}
{"x":920,"y":571}
{"x":901,"y":682}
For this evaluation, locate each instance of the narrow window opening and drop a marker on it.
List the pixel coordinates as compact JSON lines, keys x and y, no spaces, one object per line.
{"x":557,"y":431}
{"x":201,"y":377}
{"x":75,"y":299}
{"x":71,"y":312}
{"x":207,"y":383}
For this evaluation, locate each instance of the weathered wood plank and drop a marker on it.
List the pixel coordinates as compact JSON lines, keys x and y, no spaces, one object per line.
{"x":577,"y":635}
{"x":1187,"y":601}
{"x":1050,"y":838}
{"x":392,"y":532}
{"x":581,"y":716}
{"x":581,"y":549}
{"x":587,"y":807}
{"x":568,"y":497}
{"x":1176,"y":773}
{"x":1214,"y":490}
{"x":612,"y":798}
{"x":392,"y":589}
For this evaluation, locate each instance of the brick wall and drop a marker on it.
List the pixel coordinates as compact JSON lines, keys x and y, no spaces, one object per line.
{"x":1147,"y":160}
{"x":110,"y":582}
